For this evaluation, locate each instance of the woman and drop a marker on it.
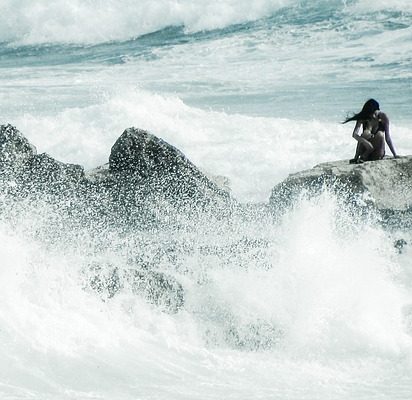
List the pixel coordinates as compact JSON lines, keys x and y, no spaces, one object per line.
{"x":375,"y":131}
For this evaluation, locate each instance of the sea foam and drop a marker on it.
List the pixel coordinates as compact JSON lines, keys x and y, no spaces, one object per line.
{"x":96,"y":21}
{"x":255,"y":153}
{"x":215,"y":141}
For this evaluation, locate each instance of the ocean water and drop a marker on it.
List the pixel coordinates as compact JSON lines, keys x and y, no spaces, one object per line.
{"x":317,"y":305}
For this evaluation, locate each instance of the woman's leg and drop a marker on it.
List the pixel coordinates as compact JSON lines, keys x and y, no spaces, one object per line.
{"x":378,"y":143}
{"x":367,"y":147}
{"x":358,"y":152}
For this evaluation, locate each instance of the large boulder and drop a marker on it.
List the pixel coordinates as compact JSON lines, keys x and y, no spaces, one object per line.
{"x":385,"y":185}
{"x":15,"y":149}
{"x":146,"y":182}
{"x":24,"y":173}
{"x":149,"y":162}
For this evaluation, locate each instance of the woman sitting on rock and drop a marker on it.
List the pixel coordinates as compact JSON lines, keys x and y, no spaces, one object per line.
{"x":375,"y":131}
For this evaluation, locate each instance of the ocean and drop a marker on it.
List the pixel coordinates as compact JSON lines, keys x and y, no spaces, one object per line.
{"x":314,"y":305}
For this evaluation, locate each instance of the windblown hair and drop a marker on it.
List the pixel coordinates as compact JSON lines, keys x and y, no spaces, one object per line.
{"x":367,"y":111}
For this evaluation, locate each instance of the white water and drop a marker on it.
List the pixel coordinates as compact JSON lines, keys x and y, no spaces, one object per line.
{"x":215,"y":141}
{"x":315,"y":305}
{"x":95,"y":21}
{"x":322,"y":312}
{"x":101,"y":21}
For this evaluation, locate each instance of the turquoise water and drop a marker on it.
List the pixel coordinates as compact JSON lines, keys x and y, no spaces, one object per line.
{"x":279,"y":74}
{"x":321,"y":58}
{"x":249,"y":90}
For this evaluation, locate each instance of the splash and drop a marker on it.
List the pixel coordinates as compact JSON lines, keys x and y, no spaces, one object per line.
{"x":312,"y":292}
{"x":215,"y":141}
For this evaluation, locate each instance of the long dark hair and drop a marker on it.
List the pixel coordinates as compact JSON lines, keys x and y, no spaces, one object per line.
{"x":367,"y":111}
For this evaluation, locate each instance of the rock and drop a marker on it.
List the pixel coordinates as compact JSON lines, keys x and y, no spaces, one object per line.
{"x":24,"y":172}
{"x":385,"y":184}
{"x":155,"y":166}
{"x":157,"y":288}
{"x":45,"y":173}
{"x":147,"y":182}
{"x":104,"y":279}
{"x":40,"y":176}
{"x":399,"y":245}
{"x":14,"y":149}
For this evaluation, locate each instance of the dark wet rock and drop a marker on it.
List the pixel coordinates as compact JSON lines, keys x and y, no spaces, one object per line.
{"x":146,"y":183}
{"x":24,"y":174}
{"x":42,"y":172}
{"x":15,"y":149}
{"x":151,"y":165}
{"x":399,"y":245}
{"x":157,"y":288}
{"x":385,"y":185}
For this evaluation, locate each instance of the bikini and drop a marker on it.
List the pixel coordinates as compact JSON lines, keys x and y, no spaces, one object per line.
{"x":381,"y":128}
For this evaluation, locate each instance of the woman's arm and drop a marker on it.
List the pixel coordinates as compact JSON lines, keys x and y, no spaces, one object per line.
{"x":388,"y":139}
{"x":361,"y":139}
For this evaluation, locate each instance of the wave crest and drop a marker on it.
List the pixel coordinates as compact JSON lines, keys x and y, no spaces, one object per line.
{"x":95,"y":21}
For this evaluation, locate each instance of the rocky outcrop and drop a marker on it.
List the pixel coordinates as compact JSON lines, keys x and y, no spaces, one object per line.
{"x":146,"y":180}
{"x":24,"y":173}
{"x":149,"y":162}
{"x":385,"y":185}
{"x":15,"y":149}
{"x":148,"y":158}
{"x":42,"y":172}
